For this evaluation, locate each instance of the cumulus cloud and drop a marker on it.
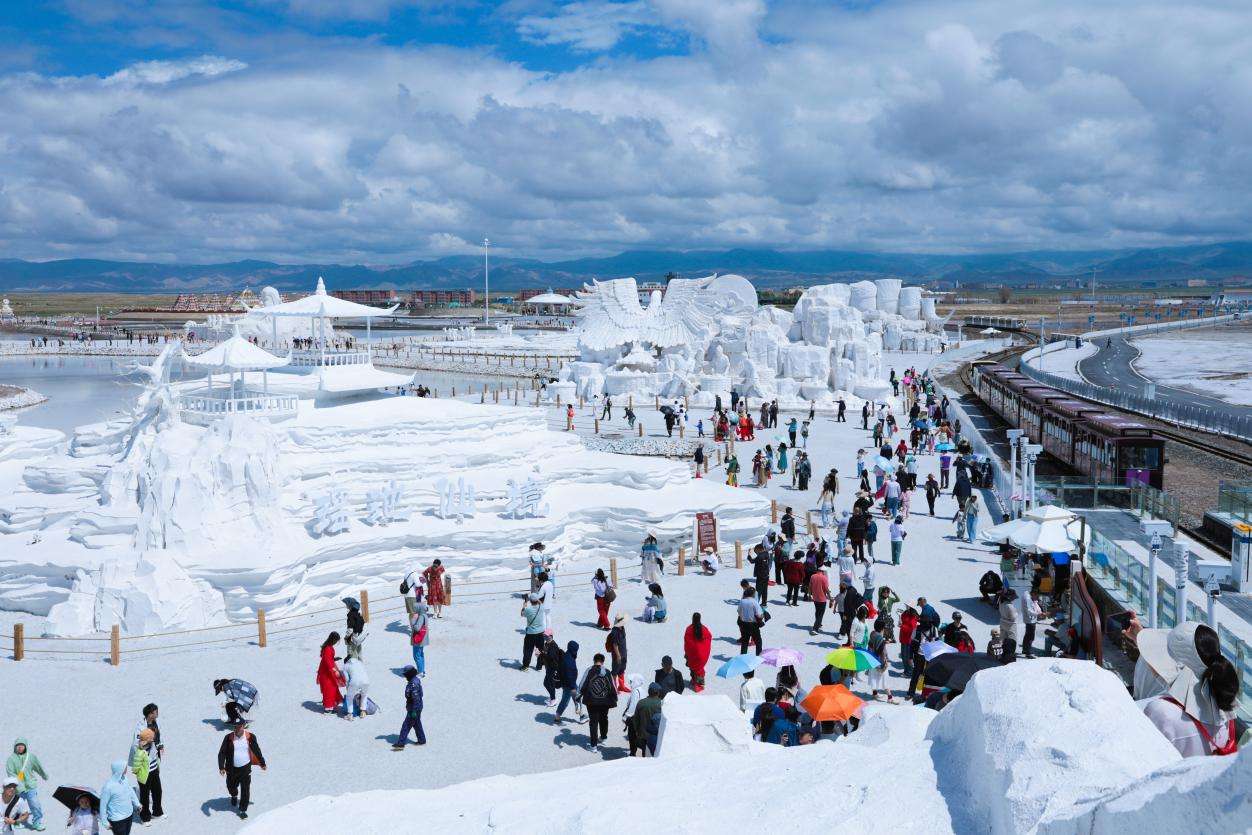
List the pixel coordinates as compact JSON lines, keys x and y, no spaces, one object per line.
{"x":895,"y":125}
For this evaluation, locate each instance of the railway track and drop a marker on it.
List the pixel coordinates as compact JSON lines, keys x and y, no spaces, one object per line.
{"x":1203,"y":446}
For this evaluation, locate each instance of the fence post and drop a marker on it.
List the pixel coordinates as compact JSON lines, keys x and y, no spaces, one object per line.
{"x":482,"y":398}
{"x":773,"y":511}
{"x":454,"y":391}
{"x":19,"y":642}
{"x":808,"y":520}
{"x":738,"y":554}
{"x":365,"y":605}
{"x":680,"y":432}
{"x":115,"y":645}
{"x":260,"y":628}
{"x":706,"y":465}
{"x":597,"y":426}
{"x":640,"y":425}
{"x":630,"y":401}
{"x":657,"y":404}
{"x":682,"y":560}
{"x":613,"y":571}
{"x":447,"y":590}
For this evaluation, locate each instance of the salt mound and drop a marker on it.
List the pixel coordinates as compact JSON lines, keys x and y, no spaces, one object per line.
{"x":696,"y":724}
{"x":1175,"y":799}
{"x":1031,"y":739}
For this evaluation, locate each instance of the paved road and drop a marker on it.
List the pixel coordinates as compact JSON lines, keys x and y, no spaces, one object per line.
{"x":1111,"y":367}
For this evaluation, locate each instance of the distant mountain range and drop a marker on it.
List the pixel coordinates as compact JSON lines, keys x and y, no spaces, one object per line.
{"x":766,"y":267}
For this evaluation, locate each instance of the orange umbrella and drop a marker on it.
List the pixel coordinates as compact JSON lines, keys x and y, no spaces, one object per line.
{"x":831,"y":702}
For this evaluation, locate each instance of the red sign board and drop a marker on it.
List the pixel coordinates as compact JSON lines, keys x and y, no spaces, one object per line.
{"x":706,"y":532}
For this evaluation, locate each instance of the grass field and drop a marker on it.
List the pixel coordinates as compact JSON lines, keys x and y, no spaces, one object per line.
{"x":83,"y":304}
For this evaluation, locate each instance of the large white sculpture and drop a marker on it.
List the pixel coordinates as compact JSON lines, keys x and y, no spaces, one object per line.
{"x":704,"y":337}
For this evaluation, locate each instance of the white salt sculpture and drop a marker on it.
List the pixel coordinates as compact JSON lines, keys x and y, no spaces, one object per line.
{"x":525,"y":499}
{"x":330,"y":513}
{"x":455,"y":502}
{"x":704,"y":337}
{"x":382,"y":505}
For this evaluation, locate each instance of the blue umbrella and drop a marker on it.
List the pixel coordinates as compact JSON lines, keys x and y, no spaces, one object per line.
{"x":739,"y":665}
{"x":944,"y":447}
{"x":883,"y":464}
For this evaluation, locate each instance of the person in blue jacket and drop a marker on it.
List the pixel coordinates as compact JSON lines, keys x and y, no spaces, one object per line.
{"x":568,"y":677}
{"x":118,"y":800}
{"x":785,"y":731}
{"x":412,"y":710}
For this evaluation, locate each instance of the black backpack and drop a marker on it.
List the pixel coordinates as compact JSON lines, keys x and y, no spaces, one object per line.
{"x":599,"y":689}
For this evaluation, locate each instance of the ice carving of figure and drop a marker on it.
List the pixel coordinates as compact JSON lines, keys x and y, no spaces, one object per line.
{"x":719,"y":363}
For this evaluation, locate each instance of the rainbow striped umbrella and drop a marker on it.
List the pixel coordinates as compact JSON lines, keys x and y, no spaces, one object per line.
{"x":854,"y":660}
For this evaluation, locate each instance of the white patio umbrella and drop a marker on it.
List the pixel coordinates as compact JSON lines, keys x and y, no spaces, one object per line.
{"x":1004,"y":531}
{"x":1049,"y":513}
{"x":1046,"y":537}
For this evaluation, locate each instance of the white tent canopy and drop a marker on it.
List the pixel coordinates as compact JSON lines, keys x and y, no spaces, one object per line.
{"x":236,"y":354}
{"x":1049,"y":513}
{"x":323,"y":306}
{"x":549,"y":298}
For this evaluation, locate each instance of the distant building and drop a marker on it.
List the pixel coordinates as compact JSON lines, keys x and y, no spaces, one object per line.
{"x":419,"y":299}
{"x":376,"y":298}
{"x":1197,"y":282}
{"x":645,"y":291}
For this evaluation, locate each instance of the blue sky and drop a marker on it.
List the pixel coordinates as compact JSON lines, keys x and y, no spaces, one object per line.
{"x":381,"y":131}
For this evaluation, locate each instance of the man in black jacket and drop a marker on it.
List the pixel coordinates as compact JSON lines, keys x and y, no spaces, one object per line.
{"x":235,"y":758}
{"x":669,"y":678}
{"x":761,"y":560}
{"x":598,"y":695}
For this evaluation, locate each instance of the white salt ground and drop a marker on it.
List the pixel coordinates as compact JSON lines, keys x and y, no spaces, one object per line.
{"x":1216,"y":362}
{"x":483,"y":716}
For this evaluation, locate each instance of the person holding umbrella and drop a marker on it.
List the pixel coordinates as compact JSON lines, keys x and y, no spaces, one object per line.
{"x":84,"y":816}
{"x":118,"y":800}
{"x":23,"y":766}
{"x":236,"y":756}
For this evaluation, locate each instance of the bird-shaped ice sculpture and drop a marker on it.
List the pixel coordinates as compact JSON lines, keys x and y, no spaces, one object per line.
{"x":611,"y":315}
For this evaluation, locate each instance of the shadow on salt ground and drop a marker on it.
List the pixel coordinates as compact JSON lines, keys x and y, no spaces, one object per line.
{"x":589,"y":624}
{"x":510,"y":663}
{"x":217,"y":804}
{"x":314,"y":706}
{"x":217,"y":724}
{"x":397,"y":627}
{"x":532,"y":698}
{"x":544,"y":718}
{"x":975,"y":608}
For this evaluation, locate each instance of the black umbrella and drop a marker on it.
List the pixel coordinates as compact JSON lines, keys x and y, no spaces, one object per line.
{"x":68,"y":795}
{"x":667,"y":410}
{"x":954,"y":669}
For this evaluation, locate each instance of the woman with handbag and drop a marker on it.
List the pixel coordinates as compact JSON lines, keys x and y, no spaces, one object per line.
{"x":604,"y":595}
{"x":419,"y":631}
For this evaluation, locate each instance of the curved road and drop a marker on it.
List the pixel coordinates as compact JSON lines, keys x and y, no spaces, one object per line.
{"x":1111,"y":367}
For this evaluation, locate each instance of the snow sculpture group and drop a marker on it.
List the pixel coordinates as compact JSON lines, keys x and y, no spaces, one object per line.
{"x":707,"y":336}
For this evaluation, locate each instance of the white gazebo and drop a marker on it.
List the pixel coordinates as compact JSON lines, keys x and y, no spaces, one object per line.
{"x":233,"y":359}
{"x":553,"y":300}
{"x":318,"y":308}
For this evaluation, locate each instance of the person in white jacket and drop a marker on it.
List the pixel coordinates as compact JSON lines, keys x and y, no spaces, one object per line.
{"x":357,"y":688}
{"x":638,"y":692}
{"x":751,"y":692}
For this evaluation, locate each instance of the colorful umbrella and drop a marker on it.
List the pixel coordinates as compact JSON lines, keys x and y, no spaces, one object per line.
{"x":933,"y":649}
{"x":944,"y":447}
{"x":739,"y":665}
{"x":831,"y":703}
{"x":855,"y":660}
{"x":883,"y":464}
{"x":782,"y":657}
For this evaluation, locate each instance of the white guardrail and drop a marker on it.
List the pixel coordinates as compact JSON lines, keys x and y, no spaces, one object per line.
{"x":1192,"y":416}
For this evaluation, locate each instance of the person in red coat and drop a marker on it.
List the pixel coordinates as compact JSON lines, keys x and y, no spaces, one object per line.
{"x":328,"y":674}
{"x":435,"y":594}
{"x":697,"y":644}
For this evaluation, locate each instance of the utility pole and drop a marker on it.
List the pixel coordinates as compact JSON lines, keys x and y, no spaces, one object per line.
{"x":1040,"y":343}
{"x":486,"y":284}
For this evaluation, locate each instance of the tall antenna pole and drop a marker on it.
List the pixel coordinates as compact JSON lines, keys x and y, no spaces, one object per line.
{"x":486,"y":284}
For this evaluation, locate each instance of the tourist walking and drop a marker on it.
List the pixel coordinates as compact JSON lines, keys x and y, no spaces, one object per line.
{"x":568,"y":679}
{"x":897,"y":539}
{"x":412,"y":710}
{"x":819,"y":592}
{"x":328,"y":674}
{"x":598,"y":696}
{"x":354,"y":631}
{"x":761,"y":560}
{"x":615,"y":645}
{"x":697,"y":645}
{"x":237,"y":754}
{"x":932,"y":492}
{"x":751,"y":617}
{"x":24,"y":767}
{"x":637,"y":694}
{"x":532,"y":631}
{"x":419,"y":637}
{"x":118,"y":801}
{"x":602,"y":590}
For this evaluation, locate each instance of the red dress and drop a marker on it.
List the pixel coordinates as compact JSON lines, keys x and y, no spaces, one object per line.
{"x":328,"y":678}
{"x":433,"y":576}
{"x":697,"y":652}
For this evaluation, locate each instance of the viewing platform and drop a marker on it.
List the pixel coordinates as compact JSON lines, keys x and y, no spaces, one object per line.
{"x":203,"y":406}
{"x":326,"y":359}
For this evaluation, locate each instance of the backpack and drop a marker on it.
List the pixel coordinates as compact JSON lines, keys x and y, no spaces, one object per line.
{"x":599,"y":688}
{"x":404,"y":585}
{"x":610,"y":594}
{"x":653,"y":726}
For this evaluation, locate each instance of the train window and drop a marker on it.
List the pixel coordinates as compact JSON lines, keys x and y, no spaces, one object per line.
{"x":1141,"y":457}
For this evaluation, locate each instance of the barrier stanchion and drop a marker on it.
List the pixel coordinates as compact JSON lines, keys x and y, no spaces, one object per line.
{"x":19,"y":642}
{"x":613,"y":571}
{"x":447,"y":590}
{"x":773,"y":511}
{"x":640,"y":425}
{"x":115,"y":645}
{"x":365,"y":605}
{"x":738,"y":554}
{"x":682,"y":560}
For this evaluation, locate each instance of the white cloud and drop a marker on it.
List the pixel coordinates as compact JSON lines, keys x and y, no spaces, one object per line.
{"x":901,"y":125}
{"x":588,"y":26}
{"x":166,"y":72}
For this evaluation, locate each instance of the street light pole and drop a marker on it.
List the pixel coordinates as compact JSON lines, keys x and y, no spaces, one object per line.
{"x":486,"y":284}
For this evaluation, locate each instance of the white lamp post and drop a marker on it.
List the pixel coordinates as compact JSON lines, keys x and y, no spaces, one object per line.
{"x":1013,"y":435}
{"x":486,"y":284}
{"x":1032,"y":453}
